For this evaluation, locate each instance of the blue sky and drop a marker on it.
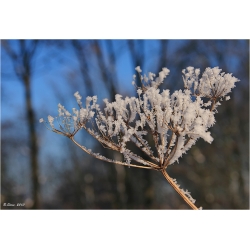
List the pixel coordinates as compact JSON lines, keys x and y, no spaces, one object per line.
{"x":49,"y":73}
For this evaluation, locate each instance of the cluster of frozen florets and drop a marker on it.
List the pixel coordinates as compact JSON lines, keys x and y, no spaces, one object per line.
{"x":213,"y":83}
{"x":174,"y":121}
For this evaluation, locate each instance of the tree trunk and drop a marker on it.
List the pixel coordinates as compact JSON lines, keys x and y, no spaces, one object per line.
{"x":32,"y":143}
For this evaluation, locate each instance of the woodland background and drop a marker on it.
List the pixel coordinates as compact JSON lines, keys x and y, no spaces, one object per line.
{"x":46,"y":171}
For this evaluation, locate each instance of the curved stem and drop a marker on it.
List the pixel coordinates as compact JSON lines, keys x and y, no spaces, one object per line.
{"x":109,"y":160}
{"x":178,"y":190}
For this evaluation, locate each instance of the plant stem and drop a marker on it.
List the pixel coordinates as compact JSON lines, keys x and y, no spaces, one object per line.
{"x":178,"y":190}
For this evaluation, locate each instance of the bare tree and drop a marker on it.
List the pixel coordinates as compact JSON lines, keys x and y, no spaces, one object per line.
{"x":81,"y":54}
{"x":22,"y":60}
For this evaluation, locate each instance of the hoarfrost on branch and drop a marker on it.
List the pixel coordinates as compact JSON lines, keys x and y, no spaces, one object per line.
{"x":174,"y":122}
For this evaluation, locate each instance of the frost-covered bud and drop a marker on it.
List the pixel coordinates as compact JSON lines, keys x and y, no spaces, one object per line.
{"x":67,"y":113}
{"x":197,"y":72}
{"x":166,"y":71}
{"x":214,"y":84}
{"x":105,"y":100}
{"x":139,"y":91}
{"x":151,"y":76}
{"x":138,"y":69}
{"x":51,"y":120}
{"x":190,"y":69}
{"x":118,"y":97}
{"x":91,"y":114}
{"x":145,"y":78}
{"x":94,"y":99}
{"x":88,"y":100}
{"x":78,"y":97}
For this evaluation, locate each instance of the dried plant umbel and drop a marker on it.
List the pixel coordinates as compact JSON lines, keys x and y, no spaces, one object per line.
{"x":174,"y":121}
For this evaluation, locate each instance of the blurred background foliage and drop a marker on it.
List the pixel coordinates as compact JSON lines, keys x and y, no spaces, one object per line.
{"x":44,"y":170}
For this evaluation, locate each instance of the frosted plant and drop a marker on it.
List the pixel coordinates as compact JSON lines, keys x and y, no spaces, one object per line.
{"x":174,"y":122}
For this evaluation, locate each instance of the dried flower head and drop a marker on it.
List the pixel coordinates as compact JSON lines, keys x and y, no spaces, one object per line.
{"x":174,"y":121}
